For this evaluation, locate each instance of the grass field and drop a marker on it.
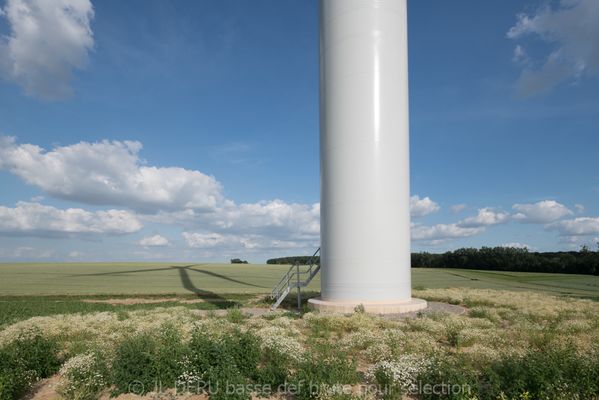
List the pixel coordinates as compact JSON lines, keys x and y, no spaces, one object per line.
{"x":111,"y":325}
{"x":217,"y":279}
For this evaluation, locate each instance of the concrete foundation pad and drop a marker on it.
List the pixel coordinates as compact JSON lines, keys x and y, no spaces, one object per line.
{"x":371,"y":307}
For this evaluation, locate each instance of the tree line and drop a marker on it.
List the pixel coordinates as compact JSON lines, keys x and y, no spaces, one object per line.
{"x":301,"y":260}
{"x":584,"y":261}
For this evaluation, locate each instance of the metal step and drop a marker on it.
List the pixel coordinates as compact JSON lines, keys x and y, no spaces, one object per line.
{"x":281,"y":297}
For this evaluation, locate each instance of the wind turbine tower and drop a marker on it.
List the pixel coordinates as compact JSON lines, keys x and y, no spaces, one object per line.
{"x":364,"y":156}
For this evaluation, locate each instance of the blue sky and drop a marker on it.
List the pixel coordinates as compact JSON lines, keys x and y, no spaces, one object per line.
{"x":188,"y":130}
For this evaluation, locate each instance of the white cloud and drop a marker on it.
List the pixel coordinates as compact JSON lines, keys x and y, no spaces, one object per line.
{"x":517,"y":245}
{"x":576,"y":243}
{"x":48,"y":40}
{"x":253,"y":227}
{"x":443,"y":231}
{"x":246,"y":242}
{"x":113,"y":174}
{"x":485,"y":217}
{"x":204,"y":240}
{"x":421,"y":207}
{"x":520,"y":56}
{"x":276,"y":244}
{"x":109,"y":173}
{"x":471,"y":226}
{"x":274,"y":216}
{"x":540,"y":213}
{"x":576,"y":227}
{"x":579,"y":208}
{"x":40,"y":220}
{"x":572,"y":30}
{"x":260,"y":226}
{"x":154,"y":241}
{"x":458,"y":208}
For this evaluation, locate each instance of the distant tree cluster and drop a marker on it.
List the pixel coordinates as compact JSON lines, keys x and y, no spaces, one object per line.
{"x":238,"y":261}
{"x":584,"y":261}
{"x":514,"y":259}
{"x":301,"y":260}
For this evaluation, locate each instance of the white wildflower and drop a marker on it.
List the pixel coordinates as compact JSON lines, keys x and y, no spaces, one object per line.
{"x":278,"y":339}
{"x":82,"y":377}
{"x":401,"y":374}
{"x":190,"y":377}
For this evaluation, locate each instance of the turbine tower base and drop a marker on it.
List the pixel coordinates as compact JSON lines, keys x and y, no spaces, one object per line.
{"x":370,"y":307}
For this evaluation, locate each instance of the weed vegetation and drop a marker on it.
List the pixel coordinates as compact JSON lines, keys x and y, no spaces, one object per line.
{"x":506,"y":345}
{"x":25,"y":359}
{"x":18,"y":308}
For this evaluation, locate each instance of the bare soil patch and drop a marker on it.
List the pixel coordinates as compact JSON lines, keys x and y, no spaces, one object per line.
{"x":44,"y":390}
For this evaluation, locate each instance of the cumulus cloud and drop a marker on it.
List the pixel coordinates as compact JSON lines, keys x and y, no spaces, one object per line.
{"x":200,"y":240}
{"x":517,"y":245}
{"x":154,"y":241}
{"x":257,"y":226}
{"x":274,"y":216}
{"x":540,"y":213}
{"x":204,"y":240}
{"x":40,"y":220}
{"x":485,"y":217}
{"x":112,"y":173}
{"x":458,"y":208}
{"x":467,"y":227}
{"x":109,"y":173}
{"x":571,"y":30}
{"x":444,"y":231}
{"x":48,"y":40}
{"x":421,"y":207}
{"x":576,"y":227}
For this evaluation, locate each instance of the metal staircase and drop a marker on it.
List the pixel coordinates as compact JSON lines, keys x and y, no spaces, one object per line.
{"x":296,"y":277}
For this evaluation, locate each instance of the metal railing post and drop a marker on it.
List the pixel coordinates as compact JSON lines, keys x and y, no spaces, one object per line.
{"x":299,"y":291}
{"x":282,"y":289}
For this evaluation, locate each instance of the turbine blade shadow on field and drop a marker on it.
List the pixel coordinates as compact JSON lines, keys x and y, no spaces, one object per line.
{"x":206,"y":295}
{"x":188,"y":267}
{"x":226,"y":278}
{"x":186,"y":282}
{"x":128,"y":272}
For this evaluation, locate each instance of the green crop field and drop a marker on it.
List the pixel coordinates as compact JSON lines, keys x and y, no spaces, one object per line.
{"x":137,"y":278}
{"x":211,"y":279}
{"x":481,"y":327}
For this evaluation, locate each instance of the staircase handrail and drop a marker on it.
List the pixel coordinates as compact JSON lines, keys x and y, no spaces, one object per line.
{"x":292,"y":278}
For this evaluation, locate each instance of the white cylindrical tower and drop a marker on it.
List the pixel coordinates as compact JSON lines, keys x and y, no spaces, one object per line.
{"x":364,"y":155}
